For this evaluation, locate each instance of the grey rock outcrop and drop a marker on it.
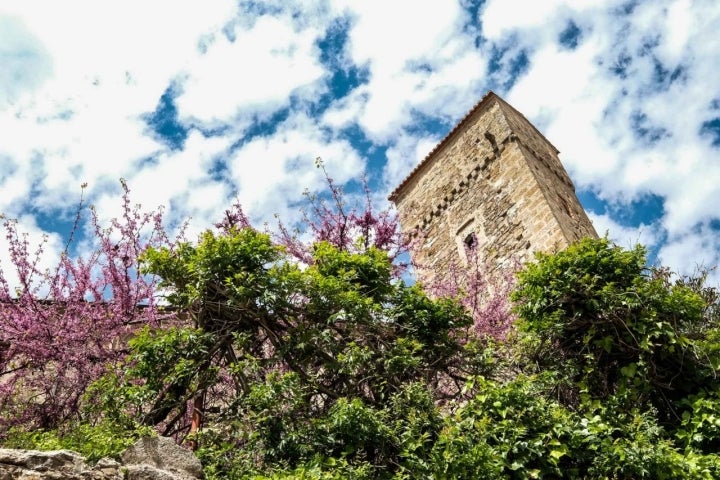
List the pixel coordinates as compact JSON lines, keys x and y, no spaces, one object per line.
{"x":163,"y":454}
{"x":38,"y":465}
{"x":149,"y":459}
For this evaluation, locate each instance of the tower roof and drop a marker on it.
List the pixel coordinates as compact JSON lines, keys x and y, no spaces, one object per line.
{"x":484,"y":102}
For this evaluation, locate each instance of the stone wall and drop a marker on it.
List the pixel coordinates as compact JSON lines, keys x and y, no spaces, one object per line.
{"x":496,"y":181}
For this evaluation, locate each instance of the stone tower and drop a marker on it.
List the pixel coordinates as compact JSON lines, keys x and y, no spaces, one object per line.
{"x":494,"y":185}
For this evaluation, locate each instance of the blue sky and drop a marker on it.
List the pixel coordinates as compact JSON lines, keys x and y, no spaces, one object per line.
{"x":196,"y":103}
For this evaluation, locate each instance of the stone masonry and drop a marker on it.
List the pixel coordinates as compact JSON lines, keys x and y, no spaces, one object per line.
{"x":493,"y":185}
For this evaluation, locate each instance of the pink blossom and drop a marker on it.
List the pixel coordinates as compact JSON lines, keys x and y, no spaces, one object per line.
{"x":59,"y":328}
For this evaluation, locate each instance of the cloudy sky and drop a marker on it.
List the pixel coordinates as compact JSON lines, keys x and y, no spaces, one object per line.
{"x":197,"y":103}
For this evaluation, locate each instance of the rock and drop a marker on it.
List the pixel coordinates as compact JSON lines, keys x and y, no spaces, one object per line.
{"x":164,"y":454}
{"x":51,"y":465}
{"x":107,"y":466}
{"x":148,"y":472}
{"x":149,"y":459}
{"x":42,"y":461}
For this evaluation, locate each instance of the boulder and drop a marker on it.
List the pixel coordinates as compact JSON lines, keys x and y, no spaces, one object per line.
{"x":51,"y":465}
{"x":163,"y":454}
{"x":149,"y":459}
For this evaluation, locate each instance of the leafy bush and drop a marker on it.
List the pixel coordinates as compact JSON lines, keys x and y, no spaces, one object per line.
{"x":105,"y":439}
{"x":608,"y":325}
{"x":335,"y":370}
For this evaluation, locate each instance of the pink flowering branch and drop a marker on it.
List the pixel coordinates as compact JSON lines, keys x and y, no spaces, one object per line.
{"x":60,"y":327}
{"x":353,"y":229}
{"x":482,"y":289}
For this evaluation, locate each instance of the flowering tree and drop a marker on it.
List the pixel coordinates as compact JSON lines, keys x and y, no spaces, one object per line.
{"x":325,"y":310}
{"x":348,"y":228}
{"x":483,"y":291}
{"x":60,"y":327}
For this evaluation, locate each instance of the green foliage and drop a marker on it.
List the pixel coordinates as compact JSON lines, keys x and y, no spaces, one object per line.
{"x":218,"y":266}
{"x":35,"y":440}
{"x":298,"y":367}
{"x":700,"y":421}
{"x":516,"y":431}
{"x":164,"y":369}
{"x":607,"y":325}
{"x":510,"y":431}
{"x":105,"y":439}
{"x":370,"y":441}
{"x":333,"y":370}
{"x":620,"y":443}
{"x":630,"y":350}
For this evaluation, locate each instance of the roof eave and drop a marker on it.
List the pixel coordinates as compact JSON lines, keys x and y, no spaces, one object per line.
{"x":480,"y":104}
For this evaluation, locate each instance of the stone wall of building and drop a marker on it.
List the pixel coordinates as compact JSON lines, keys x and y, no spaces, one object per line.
{"x":494,"y":184}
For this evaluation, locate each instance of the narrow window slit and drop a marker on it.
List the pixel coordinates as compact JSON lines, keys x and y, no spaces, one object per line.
{"x":470,"y":241}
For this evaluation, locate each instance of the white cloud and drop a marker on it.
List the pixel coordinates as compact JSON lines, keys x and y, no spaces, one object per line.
{"x":693,"y":251}
{"x":179,"y":181}
{"x":25,"y":62}
{"x":257,"y":71}
{"x":425,"y":64}
{"x":624,"y":236}
{"x":345,"y":111}
{"x":503,"y":17}
{"x":83,"y":122}
{"x":404,"y":155}
{"x":271,"y":172}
